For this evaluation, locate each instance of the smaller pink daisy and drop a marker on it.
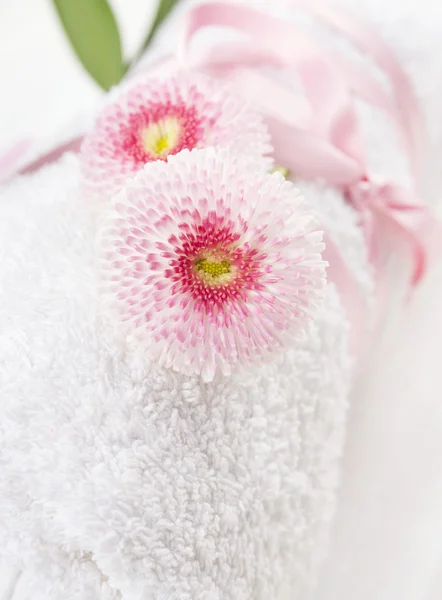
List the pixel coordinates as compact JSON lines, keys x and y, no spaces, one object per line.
{"x":208,"y":268}
{"x":156,"y":118}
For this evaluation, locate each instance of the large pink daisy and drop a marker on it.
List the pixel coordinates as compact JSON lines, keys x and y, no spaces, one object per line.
{"x":153,"y":119}
{"x":209,"y":265}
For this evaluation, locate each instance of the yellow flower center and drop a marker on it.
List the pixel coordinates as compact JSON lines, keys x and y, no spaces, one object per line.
{"x":280,"y":169}
{"x":211,"y":269}
{"x":160,"y":138}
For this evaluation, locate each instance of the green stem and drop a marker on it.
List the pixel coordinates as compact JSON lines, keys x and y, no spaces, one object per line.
{"x":163,"y":9}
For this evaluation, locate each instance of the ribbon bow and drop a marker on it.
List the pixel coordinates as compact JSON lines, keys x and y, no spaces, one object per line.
{"x":385,"y":203}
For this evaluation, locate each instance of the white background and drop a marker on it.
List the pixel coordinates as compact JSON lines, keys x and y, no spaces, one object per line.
{"x":42,"y":83}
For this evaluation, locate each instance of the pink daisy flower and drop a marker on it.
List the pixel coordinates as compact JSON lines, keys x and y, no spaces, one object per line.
{"x":156,"y":118}
{"x":210,"y":266}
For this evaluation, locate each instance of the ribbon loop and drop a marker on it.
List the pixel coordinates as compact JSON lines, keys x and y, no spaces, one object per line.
{"x":405,"y":217}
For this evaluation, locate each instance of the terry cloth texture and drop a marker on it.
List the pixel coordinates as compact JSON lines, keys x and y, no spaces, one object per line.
{"x":119,"y":479}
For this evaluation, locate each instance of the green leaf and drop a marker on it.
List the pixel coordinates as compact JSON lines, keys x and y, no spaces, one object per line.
{"x":93,"y":32}
{"x":163,"y":9}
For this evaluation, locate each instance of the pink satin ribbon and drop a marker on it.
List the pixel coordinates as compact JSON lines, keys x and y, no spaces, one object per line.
{"x":12,"y":159}
{"x":405,"y":107}
{"x":395,"y":204}
{"x":330,"y":146}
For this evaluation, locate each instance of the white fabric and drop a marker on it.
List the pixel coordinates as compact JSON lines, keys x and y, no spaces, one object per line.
{"x":115,"y":469}
{"x":387,"y":542}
